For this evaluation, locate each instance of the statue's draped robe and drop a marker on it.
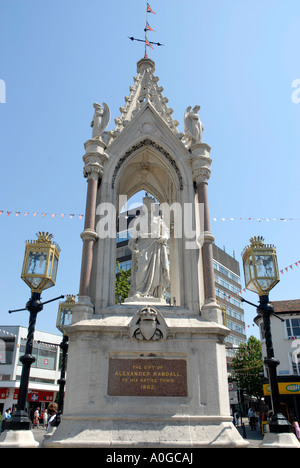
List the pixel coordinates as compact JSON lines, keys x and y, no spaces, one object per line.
{"x":150,"y":267}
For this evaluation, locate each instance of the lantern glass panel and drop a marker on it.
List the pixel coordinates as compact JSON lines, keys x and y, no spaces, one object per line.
{"x":265,"y":266}
{"x":50,"y":264}
{"x":36,"y":264}
{"x":54,"y":269}
{"x":265,"y":284}
{"x":34,"y":282}
{"x":66,"y":317}
{"x":48,"y":284}
{"x":247,"y":271}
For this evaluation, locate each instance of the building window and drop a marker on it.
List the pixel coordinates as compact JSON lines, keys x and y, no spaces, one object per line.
{"x":45,"y":355}
{"x":123,"y":235}
{"x":226,"y":272}
{"x":227,"y":285}
{"x":227,"y":297}
{"x":7,"y":346}
{"x":235,"y":327}
{"x":293,"y":327}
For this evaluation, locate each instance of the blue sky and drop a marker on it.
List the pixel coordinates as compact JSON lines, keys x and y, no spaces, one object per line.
{"x":236,"y":59}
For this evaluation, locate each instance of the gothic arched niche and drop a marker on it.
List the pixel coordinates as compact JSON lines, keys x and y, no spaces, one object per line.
{"x":147,"y":166}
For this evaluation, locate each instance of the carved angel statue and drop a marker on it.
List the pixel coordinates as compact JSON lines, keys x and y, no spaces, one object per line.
{"x":100,"y":120}
{"x":192,"y":124}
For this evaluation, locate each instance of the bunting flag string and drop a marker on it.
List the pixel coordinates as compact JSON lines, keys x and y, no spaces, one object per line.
{"x":49,"y":345}
{"x":43,"y":214}
{"x":80,"y":216}
{"x":256,"y":219}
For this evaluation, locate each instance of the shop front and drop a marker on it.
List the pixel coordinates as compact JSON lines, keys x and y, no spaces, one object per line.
{"x":35,"y":398}
{"x":289,"y":390}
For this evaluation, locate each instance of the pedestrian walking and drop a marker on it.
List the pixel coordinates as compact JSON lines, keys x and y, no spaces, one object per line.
{"x":36,"y":417}
{"x":45,"y":419}
{"x":52,"y":410}
{"x":6,"y":417}
{"x":252,"y":419}
{"x":296,"y":428}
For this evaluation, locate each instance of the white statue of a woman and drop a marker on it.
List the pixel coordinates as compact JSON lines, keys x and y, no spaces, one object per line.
{"x":150,"y":267}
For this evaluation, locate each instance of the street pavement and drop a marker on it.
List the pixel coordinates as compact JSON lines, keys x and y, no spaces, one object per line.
{"x":253,"y":437}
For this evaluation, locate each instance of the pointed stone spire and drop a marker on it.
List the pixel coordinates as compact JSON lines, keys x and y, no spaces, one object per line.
{"x":145,"y":90}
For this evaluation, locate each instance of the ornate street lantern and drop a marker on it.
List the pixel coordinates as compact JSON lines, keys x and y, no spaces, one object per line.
{"x":39,"y":273}
{"x":260,"y":266}
{"x":261,"y":275}
{"x":64,"y":316}
{"x":40,"y":262}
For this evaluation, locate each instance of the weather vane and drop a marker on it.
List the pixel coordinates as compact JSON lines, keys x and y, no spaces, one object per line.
{"x":147,"y":28}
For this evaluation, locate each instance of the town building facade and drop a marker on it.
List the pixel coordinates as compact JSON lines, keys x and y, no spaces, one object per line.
{"x":286,"y":343}
{"x":44,"y":372}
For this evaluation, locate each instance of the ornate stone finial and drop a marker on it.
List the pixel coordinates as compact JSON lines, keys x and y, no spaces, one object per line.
{"x":100,"y":120}
{"x":192,"y":125}
{"x":145,"y":64}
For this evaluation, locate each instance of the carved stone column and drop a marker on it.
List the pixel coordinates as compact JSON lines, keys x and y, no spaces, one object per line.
{"x":93,"y":169}
{"x":201,"y":173}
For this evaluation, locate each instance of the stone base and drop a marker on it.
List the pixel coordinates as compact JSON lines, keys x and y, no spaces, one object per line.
{"x":285,"y":440}
{"x":159,"y":433}
{"x":18,"y":439}
{"x":130,"y":388}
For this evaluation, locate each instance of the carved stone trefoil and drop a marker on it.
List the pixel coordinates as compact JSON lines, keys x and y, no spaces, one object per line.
{"x":148,"y":324}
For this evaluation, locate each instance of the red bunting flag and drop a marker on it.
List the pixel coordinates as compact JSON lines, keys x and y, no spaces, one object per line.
{"x":149,"y":45}
{"x":149,"y":27}
{"x":149,"y":9}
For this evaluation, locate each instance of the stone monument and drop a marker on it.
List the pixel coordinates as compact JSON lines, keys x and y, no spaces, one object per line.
{"x":144,"y":373}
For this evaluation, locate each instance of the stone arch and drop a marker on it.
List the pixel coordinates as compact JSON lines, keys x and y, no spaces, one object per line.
{"x":152,"y":148}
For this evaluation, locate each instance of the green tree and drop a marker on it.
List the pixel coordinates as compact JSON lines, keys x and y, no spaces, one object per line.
{"x":122,"y":283}
{"x":247,"y":367}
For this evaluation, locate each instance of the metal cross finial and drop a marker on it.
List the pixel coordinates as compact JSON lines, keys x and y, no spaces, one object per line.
{"x":147,"y":28}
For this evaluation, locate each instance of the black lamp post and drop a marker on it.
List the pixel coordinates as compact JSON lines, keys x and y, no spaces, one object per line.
{"x":64,"y":318}
{"x":39,"y":272}
{"x":261,"y":275}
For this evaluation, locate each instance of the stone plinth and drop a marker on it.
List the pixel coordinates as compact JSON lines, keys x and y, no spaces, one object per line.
{"x":18,"y":439}
{"x":124,"y":390}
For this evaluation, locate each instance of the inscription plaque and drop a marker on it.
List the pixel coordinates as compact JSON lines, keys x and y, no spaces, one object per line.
{"x":147,"y":377}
